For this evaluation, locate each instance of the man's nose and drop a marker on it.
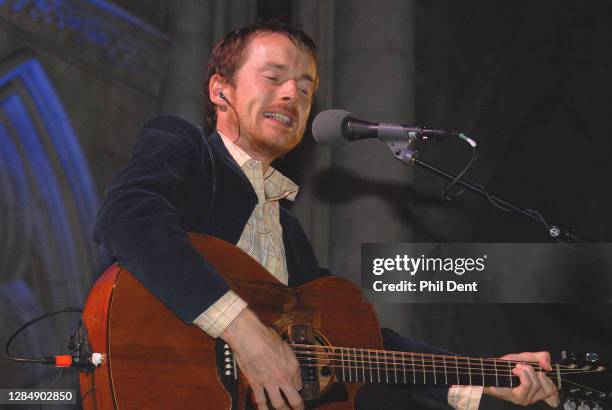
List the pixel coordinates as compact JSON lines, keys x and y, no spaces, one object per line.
{"x":289,"y":90}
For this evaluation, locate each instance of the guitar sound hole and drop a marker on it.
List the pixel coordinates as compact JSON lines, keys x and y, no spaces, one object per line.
{"x":321,"y":360}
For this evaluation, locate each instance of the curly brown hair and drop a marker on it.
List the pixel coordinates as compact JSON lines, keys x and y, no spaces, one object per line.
{"x":226,"y":55}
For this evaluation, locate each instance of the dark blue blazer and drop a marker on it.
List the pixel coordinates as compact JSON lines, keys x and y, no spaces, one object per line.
{"x":178,"y":181}
{"x":165,"y":191}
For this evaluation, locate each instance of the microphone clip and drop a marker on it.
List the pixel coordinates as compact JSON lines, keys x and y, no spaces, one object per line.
{"x":403,"y":151}
{"x":400,"y":140}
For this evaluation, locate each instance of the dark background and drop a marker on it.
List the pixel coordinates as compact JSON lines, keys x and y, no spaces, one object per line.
{"x":529,"y":81}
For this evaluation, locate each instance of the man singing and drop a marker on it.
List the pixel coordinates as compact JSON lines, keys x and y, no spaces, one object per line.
{"x":259,"y":89}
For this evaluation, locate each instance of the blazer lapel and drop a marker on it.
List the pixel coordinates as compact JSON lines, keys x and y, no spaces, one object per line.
{"x":234,"y":199}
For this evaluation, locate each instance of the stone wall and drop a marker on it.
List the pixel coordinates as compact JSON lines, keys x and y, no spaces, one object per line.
{"x":77,"y":80}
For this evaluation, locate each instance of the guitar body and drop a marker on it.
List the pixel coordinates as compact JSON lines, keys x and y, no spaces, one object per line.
{"x":155,"y":361}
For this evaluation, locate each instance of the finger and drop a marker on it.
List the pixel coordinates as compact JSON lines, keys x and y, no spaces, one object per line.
{"x":275,"y":397}
{"x":294,"y":370}
{"x":549,"y":391}
{"x":259,"y":397}
{"x":553,"y":401}
{"x":545,"y":361}
{"x":536,"y":386}
{"x":293,"y":397}
{"x":510,"y":356}
{"x":297,"y":380}
{"x":522,"y":391}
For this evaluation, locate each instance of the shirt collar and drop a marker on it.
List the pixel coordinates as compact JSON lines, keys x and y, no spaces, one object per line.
{"x":276,"y":186}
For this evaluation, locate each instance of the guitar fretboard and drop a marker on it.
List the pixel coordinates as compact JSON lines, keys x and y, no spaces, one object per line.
{"x":356,"y":365}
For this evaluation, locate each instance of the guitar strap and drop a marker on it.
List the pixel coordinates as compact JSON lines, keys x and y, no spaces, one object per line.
{"x":214,"y":176}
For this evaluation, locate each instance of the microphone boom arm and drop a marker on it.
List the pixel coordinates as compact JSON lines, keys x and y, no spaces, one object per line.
{"x":402,"y":150}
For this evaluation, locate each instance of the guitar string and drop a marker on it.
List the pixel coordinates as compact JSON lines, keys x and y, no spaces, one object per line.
{"x":344,"y":350}
{"x":406,"y":380}
{"x":460,"y":375}
{"x":400,"y":361}
{"x":408,"y":356}
{"x":449,"y":365}
{"x":308,"y":348}
{"x":420,"y":368}
{"x":421,"y":365}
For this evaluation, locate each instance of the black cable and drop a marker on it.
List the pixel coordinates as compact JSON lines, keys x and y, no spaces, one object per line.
{"x":445,"y":191}
{"x":87,"y":392}
{"x":237,"y":119}
{"x":491,"y":199}
{"x":44,"y":360}
{"x":59,"y":375}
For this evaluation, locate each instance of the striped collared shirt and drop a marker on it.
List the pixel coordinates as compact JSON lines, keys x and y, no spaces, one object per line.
{"x":262,"y":237}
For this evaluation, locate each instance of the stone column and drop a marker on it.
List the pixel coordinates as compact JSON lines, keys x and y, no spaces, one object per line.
{"x":373,"y":78}
{"x":312,"y":210}
{"x":195,"y":27}
{"x":191,"y":28}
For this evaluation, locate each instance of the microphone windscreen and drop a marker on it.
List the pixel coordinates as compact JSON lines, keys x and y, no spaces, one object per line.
{"x":327,"y":128}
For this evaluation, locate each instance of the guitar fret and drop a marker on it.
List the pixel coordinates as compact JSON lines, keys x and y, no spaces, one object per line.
{"x":350,"y":363}
{"x":353,"y":366}
{"x":386,"y":367}
{"x":404,"y":366}
{"x":363,"y":365}
{"x":342,"y":364}
{"x":423,"y":365}
{"x":413,"y":369}
{"x":370,"y":360}
{"x":496,"y":379}
{"x":356,"y":364}
{"x":433,"y":361}
{"x":510,"y":373}
{"x":469,"y":371}
{"x":378,"y":366}
{"x":482,"y":371}
{"x":445,"y":372}
{"x":395,"y":367}
{"x":457,"y":370}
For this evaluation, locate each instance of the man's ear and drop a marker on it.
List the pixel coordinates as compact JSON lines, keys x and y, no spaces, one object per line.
{"x":216,"y":86}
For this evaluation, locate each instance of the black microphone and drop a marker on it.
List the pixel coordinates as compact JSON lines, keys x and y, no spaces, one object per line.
{"x":335,"y":128}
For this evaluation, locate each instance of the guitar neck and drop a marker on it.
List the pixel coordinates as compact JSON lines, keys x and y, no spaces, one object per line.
{"x":356,"y":365}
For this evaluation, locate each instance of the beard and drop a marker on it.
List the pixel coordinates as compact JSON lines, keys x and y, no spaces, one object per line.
{"x":269,"y":142}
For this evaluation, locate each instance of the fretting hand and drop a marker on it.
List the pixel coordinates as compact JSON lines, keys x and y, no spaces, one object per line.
{"x":535,"y":386}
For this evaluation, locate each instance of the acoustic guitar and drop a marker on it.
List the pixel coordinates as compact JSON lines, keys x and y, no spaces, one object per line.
{"x":152,"y":360}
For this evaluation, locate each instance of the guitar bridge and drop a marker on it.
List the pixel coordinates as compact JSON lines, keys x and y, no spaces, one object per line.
{"x":227,"y":369}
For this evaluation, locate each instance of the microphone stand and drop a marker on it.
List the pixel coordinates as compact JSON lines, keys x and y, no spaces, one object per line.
{"x":409,"y":156}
